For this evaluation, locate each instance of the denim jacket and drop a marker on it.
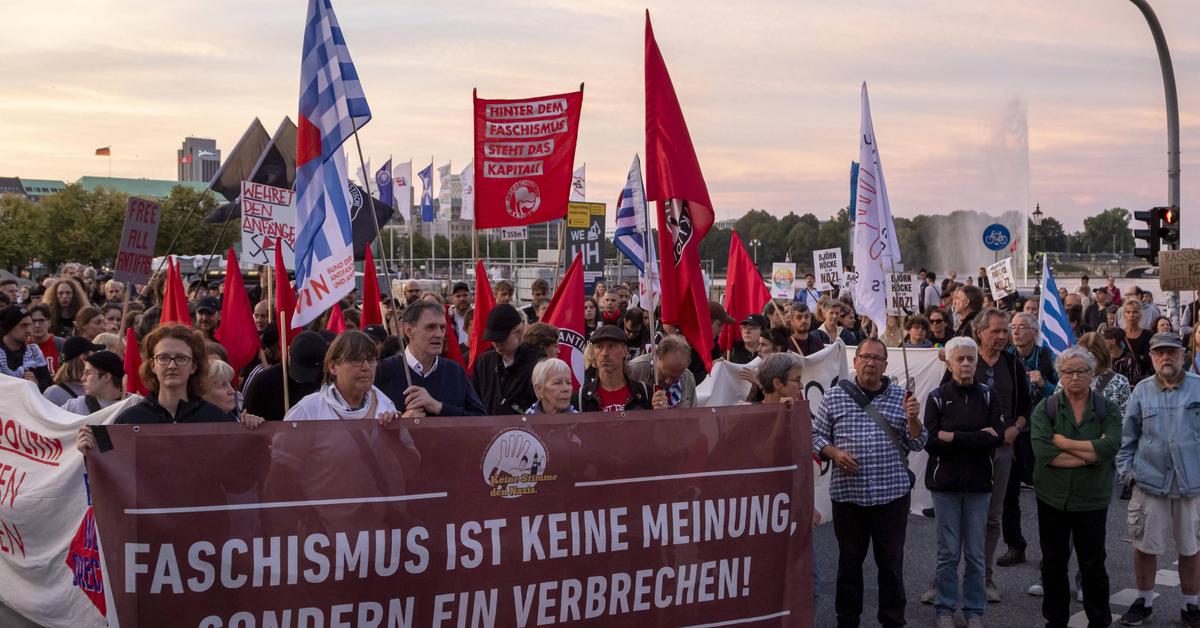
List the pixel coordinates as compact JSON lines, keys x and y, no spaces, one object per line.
{"x":1160,"y":442}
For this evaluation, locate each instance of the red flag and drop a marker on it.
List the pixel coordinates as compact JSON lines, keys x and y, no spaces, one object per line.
{"x":685,"y":214}
{"x":566,"y":313}
{"x":371,"y":312}
{"x":337,"y":322}
{"x":451,"y":350}
{"x":285,"y":296}
{"x":133,"y":362}
{"x":745,"y":292}
{"x":484,"y":302}
{"x":175,"y":305}
{"x":524,"y":156}
{"x":237,"y":332}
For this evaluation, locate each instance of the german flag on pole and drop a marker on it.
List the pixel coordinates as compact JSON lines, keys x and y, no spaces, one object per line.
{"x":104,"y":152}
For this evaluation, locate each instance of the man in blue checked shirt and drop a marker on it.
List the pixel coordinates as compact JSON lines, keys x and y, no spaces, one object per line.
{"x":870,"y":484}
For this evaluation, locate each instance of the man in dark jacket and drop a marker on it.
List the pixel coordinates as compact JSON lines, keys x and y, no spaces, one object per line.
{"x":968,"y":300}
{"x":306,"y":365}
{"x":504,"y":375}
{"x":608,"y":387}
{"x":1005,"y":375}
{"x":964,"y":423}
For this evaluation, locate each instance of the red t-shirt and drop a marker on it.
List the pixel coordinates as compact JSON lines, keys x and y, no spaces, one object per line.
{"x":50,"y":350}
{"x":613,"y":400}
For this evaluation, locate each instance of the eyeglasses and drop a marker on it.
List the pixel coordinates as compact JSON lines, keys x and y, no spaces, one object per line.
{"x":1021,"y":328}
{"x":937,"y":321}
{"x":871,"y":357}
{"x":163,"y":359}
{"x":39,"y":321}
{"x":1069,"y":373}
{"x":361,"y":361}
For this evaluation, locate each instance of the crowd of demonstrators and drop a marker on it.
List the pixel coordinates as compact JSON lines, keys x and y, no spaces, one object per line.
{"x":1008,"y":413}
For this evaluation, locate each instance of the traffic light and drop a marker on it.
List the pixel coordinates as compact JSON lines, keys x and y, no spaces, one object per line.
{"x":1170,"y":227}
{"x":1152,"y":234}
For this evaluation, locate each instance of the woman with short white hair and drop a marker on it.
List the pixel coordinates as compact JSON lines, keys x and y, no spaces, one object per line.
{"x":1076,"y":434}
{"x":965,"y":424}
{"x":552,"y":387}
{"x":779,"y":376}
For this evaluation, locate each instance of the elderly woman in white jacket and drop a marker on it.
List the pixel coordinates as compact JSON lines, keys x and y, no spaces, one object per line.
{"x":349,"y":390}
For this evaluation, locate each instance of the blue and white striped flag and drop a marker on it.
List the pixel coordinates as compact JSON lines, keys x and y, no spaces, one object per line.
{"x":332,"y":107}
{"x":1052,"y":315}
{"x":633,"y":236}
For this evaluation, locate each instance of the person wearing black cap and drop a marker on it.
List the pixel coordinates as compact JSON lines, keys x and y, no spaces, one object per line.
{"x":17,"y":358}
{"x":460,"y":307}
{"x":746,"y":349}
{"x":263,"y":393}
{"x":208,"y":317}
{"x":504,"y":375}
{"x":607,"y":387}
{"x":637,"y":335}
{"x":102,"y":379}
{"x":68,"y":379}
{"x":433,"y":386}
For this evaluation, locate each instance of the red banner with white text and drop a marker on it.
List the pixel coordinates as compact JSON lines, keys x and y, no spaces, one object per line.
{"x":524,"y":156}
{"x":670,"y":518}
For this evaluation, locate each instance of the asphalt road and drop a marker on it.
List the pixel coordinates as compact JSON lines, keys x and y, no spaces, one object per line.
{"x":1017,"y":607}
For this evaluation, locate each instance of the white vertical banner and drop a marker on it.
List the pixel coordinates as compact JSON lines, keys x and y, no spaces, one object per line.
{"x":875,"y":253}
{"x":467,"y":179}
{"x":579,"y":185}
{"x":445,"y":192}
{"x":402,"y":184}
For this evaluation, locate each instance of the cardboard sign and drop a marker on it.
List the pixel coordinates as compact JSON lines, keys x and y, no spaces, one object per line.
{"x":1179,"y":270}
{"x":783,"y":280}
{"x":585,"y":234}
{"x":137,"y":241}
{"x":268,"y":213}
{"x":902,"y":293}
{"x":1001,"y":279}
{"x":559,"y":519}
{"x":524,"y":152}
{"x":828,"y":268}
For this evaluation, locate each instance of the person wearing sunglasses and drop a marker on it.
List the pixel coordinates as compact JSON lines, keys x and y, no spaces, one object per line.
{"x":940,"y":331}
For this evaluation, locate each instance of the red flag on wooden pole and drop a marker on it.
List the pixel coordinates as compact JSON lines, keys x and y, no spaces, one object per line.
{"x":745,"y":292}
{"x":133,"y":362}
{"x":685,"y":213}
{"x":371,"y":312}
{"x":285,"y":296}
{"x":175,"y":304}
{"x":484,"y":302}
{"x":237,"y":333}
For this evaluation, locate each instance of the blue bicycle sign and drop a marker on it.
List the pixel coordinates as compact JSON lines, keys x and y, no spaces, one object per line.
{"x":996,"y":237}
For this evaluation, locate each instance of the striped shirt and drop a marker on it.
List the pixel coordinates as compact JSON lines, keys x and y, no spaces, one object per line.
{"x":881,"y":477}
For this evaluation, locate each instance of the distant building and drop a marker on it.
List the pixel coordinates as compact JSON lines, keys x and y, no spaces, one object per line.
{"x":11,"y":185}
{"x":198,"y":159}
{"x":37,"y":189}
{"x":146,"y":188}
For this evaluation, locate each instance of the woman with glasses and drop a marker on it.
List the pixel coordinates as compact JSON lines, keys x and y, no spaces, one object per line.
{"x":174,"y":369}
{"x":1076,"y":434}
{"x":349,"y":390}
{"x":940,"y":330}
{"x":779,"y":376}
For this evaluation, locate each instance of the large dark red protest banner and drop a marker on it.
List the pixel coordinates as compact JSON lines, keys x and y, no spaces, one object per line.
{"x":524,"y":156}
{"x":671,"y":518}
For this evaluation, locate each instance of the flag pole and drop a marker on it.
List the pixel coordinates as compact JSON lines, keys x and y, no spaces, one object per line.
{"x":269,"y":295}
{"x":908,"y":383}
{"x":283,"y":351}
{"x":369,"y":204}
{"x":432,"y":227}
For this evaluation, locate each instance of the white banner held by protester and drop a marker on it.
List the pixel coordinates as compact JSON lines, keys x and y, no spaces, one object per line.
{"x":268,"y":213}
{"x":137,"y":241}
{"x":49,"y":558}
{"x":903,"y":293}
{"x":828,"y":266}
{"x":1002,"y":280}
{"x":783,"y":280}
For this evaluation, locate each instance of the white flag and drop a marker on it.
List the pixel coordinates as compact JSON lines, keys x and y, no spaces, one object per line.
{"x":467,"y":179}
{"x":402,"y":185}
{"x":578,"y":185}
{"x":445,"y":192}
{"x":875,"y":250}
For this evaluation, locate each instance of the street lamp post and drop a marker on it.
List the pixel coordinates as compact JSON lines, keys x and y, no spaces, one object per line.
{"x":755,"y":243}
{"x":1036,"y":217}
